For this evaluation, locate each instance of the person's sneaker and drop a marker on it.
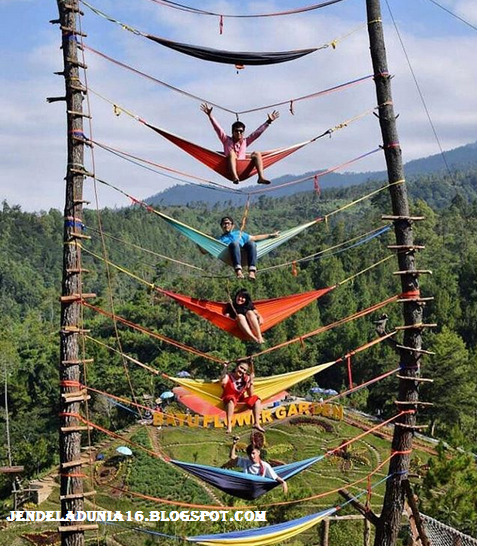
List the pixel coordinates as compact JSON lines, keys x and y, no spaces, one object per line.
{"x":263,"y":181}
{"x":239,"y":274}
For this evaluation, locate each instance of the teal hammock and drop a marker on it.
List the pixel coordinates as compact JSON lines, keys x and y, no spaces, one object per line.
{"x":220,"y":250}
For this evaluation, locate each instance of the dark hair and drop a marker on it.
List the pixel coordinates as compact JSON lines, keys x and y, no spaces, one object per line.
{"x":238,"y":125}
{"x":227,"y":218}
{"x":242,"y":292}
{"x":250,"y":448}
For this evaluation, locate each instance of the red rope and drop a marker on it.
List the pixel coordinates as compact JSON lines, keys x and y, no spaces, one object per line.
{"x":350,"y":376}
{"x":411,"y":294}
{"x":152,"y":334}
{"x":340,"y":322}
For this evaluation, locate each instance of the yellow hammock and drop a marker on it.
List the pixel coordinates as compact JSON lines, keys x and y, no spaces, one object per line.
{"x":263,"y":387}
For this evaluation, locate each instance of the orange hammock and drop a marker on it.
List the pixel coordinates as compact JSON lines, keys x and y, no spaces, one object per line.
{"x":217,"y":160}
{"x":272,"y":311}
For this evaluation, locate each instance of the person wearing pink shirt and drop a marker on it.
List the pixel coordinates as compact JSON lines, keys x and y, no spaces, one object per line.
{"x":235,"y":146}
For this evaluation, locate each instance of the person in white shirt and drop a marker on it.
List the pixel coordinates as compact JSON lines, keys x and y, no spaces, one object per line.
{"x":253,"y":464}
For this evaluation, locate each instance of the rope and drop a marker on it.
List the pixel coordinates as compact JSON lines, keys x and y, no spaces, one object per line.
{"x":365,"y":270}
{"x":335,"y":324}
{"x":421,"y":96}
{"x":316,"y":94}
{"x":138,"y":247}
{"x":361,"y":239}
{"x":222,"y":187}
{"x":127,"y":357}
{"x":197,"y":11}
{"x":269,"y":505}
{"x":330,"y":399}
{"x":155,"y":335}
{"x":137,"y":32}
{"x":454,"y":14}
{"x":98,"y":213}
{"x":375,"y":192}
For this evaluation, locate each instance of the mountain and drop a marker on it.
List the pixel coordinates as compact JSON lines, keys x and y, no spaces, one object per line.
{"x":460,"y":158}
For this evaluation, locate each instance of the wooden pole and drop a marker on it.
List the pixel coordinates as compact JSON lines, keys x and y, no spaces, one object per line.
{"x":325,"y":532}
{"x":393,"y":504}
{"x":71,"y":488}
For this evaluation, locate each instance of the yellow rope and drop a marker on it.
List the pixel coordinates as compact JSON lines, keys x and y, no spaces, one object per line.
{"x":363,"y":198}
{"x":124,"y":355}
{"x":365,"y":270}
{"x":168,"y":258}
{"x":336,"y":41}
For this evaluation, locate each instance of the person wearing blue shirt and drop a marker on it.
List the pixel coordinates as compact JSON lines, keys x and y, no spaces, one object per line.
{"x":237,"y":240}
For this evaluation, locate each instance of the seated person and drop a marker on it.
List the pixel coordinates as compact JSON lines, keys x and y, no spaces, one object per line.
{"x":243,"y":311}
{"x":236,"y":240}
{"x":238,"y":388}
{"x":235,"y":146}
{"x":254,"y":465}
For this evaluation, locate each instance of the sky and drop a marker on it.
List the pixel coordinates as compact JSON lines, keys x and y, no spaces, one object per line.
{"x":439,"y":47}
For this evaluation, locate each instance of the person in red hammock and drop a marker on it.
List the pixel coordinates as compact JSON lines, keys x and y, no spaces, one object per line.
{"x":235,"y":146}
{"x":243,"y":311}
{"x":238,"y":389}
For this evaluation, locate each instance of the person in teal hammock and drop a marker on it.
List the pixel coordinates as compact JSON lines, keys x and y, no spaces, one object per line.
{"x":237,"y":240}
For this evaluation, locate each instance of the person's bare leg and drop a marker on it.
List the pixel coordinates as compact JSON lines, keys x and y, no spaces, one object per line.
{"x":232,"y":166}
{"x":257,"y":412}
{"x":254,"y":325}
{"x":229,"y":412}
{"x":245,"y":327}
{"x":258,"y":164}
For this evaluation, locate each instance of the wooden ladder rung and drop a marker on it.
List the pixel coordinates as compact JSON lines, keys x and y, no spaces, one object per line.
{"x":81,"y":202}
{"x":76,"y":297}
{"x":76,"y":235}
{"x":79,"y":88}
{"x":414,"y":427}
{"x":415,"y":350}
{"x":72,"y":464}
{"x":73,"y":496}
{"x":78,"y":114}
{"x":77,"y":63}
{"x":73,"y":31}
{"x":417,"y":379}
{"x":406,"y":247}
{"x":414,"y":272}
{"x":77,"y":428}
{"x":82,"y":140}
{"x":413,"y":403}
{"x":407,"y":218}
{"x":75,"y":528}
{"x":71,"y":7}
{"x":83,"y":172}
{"x":72,"y":399}
{"x":417,"y":326}
{"x":74,"y":330}
{"x":416,"y":300}
{"x":77,"y":270}
{"x":77,"y":361}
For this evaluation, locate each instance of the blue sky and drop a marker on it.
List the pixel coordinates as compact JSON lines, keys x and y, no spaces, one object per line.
{"x":441,"y":50}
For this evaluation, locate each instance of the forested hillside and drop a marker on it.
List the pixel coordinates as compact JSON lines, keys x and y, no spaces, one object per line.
{"x":139,"y":241}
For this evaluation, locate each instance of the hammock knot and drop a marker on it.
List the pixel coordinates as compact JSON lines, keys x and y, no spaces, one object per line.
{"x":334,"y":44}
{"x":117,"y":110}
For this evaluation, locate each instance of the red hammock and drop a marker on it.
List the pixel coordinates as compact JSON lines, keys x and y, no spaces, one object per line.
{"x":272,"y":311}
{"x":217,"y":160}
